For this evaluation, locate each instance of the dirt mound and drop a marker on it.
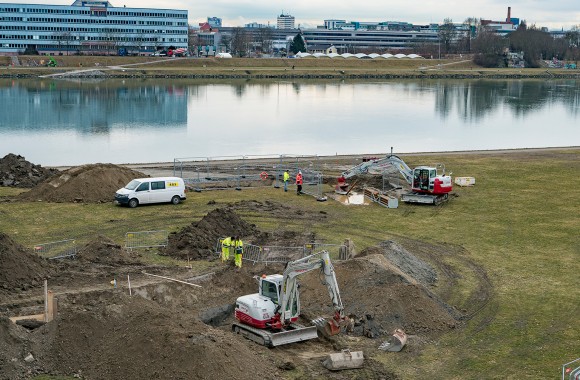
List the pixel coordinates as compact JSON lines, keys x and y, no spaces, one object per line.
{"x":19,"y":268}
{"x":102,"y":335}
{"x":381,"y":297}
{"x":198,"y":240}
{"x":15,"y":171}
{"x":103,"y":250}
{"x":95,"y":183}
{"x":405,"y":261}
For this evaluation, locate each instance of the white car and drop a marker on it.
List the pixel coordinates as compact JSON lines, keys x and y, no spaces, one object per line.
{"x":151,"y":190}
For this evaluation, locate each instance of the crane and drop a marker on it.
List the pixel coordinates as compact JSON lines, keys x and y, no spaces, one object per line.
{"x":270,"y":316}
{"x":429,"y":184}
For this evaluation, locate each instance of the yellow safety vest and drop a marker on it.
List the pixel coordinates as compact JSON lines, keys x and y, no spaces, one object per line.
{"x":238,"y":246}
{"x":286,"y":176}
{"x":226,"y":243}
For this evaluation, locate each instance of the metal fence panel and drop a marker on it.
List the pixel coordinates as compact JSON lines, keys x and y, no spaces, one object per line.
{"x":56,"y":249}
{"x":273,"y":254}
{"x":146,"y":239}
{"x":335,"y":251}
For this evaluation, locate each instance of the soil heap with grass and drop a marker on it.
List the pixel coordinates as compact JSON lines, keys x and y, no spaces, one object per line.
{"x":94,"y":183}
{"x":20,"y":269}
{"x":15,"y":171}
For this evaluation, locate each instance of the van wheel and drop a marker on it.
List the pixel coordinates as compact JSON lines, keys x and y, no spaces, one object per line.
{"x":133,"y":203}
{"x":175,"y":200}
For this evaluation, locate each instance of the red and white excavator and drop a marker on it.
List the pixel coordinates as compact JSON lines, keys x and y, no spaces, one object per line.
{"x":429,"y":184}
{"x":270,"y":317}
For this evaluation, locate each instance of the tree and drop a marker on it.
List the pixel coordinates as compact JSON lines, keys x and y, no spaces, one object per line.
{"x":240,"y":41}
{"x":226,"y":42}
{"x":264,"y":39}
{"x":535,"y":43}
{"x":297,"y":44}
{"x":488,"y":48}
{"x":447,"y":34}
{"x":192,"y":39}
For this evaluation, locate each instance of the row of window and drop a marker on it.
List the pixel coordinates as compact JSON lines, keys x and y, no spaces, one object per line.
{"x":86,"y":12}
{"x":361,"y":36}
{"x":96,"y":30}
{"x":61,"y":39}
{"x":92,"y":21}
{"x":108,"y":47}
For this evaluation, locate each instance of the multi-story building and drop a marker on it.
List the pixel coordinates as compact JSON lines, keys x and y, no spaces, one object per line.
{"x":354,"y":41}
{"x":285,"y":21}
{"x":89,"y":27}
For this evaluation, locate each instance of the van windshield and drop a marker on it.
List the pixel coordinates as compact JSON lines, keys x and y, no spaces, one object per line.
{"x":132,"y":185}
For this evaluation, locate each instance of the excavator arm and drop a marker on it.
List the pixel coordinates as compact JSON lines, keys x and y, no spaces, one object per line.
{"x":294,"y":269}
{"x":380,"y":165}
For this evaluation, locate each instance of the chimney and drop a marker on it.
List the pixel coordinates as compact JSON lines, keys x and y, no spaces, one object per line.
{"x":509,"y":17}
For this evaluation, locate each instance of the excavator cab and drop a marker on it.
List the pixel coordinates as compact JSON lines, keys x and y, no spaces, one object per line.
{"x":423,"y":179}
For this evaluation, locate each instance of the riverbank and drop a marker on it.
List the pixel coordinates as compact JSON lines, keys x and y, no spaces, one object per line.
{"x":281,"y":68}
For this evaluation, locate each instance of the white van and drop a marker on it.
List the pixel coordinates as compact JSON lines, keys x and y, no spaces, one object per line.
{"x":151,"y":190}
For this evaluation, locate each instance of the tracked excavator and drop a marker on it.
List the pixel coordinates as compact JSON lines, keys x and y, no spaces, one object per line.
{"x":270,"y":317}
{"x":429,"y":184}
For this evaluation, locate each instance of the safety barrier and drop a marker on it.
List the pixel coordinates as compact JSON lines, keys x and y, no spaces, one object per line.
{"x":56,"y":249}
{"x":207,"y":173}
{"x":336,"y":251}
{"x":276,"y":254}
{"x":571,"y":370}
{"x":146,"y":239}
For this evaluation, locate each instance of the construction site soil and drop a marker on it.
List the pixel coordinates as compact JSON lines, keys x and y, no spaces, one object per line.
{"x":15,"y":171}
{"x":118,"y":317}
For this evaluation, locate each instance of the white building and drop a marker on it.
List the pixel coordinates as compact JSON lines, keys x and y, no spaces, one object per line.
{"x":286,"y":21}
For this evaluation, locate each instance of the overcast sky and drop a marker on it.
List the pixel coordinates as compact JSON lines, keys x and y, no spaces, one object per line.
{"x":555,"y":14}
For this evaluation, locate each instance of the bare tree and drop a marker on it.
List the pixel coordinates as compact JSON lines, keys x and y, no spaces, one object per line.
{"x":241,"y":40}
{"x":447,"y":34}
{"x":264,"y":39}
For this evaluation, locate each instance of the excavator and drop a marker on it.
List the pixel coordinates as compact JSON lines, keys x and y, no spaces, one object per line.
{"x":270,"y":317}
{"x":429,"y":185}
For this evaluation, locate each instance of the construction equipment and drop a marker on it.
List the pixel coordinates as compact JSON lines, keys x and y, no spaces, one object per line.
{"x":429,"y":184}
{"x":270,"y":316}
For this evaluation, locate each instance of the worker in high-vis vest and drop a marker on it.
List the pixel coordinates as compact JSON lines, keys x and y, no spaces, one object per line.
{"x":238,"y":246}
{"x":226,"y":246}
{"x":286,"y":178}
{"x":299,"y":181}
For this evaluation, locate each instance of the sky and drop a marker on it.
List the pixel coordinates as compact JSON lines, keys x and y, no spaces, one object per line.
{"x":555,"y":14}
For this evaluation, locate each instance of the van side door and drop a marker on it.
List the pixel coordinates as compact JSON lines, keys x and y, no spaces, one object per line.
{"x":142,"y":193}
{"x":158,"y":192}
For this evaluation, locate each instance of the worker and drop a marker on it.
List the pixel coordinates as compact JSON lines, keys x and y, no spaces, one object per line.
{"x":286,"y":177}
{"x":299,"y":181}
{"x":226,"y":246}
{"x":238,"y":251}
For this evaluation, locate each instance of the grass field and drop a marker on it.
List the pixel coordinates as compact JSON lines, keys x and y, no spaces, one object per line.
{"x":121,"y":66}
{"x":520,"y":223}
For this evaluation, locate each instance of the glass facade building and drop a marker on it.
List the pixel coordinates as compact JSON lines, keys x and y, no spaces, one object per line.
{"x":89,"y":27}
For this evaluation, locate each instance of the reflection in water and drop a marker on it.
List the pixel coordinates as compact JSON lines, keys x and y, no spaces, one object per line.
{"x":91,"y":108}
{"x":123,"y":121}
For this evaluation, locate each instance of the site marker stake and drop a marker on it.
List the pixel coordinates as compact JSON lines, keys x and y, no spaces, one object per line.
{"x":129,"y":281}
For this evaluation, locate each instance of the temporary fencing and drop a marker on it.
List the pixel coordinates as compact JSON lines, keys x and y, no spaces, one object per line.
{"x":277,"y":254}
{"x":238,"y":172}
{"x":146,"y":239}
{"x":571,"y":370}
{"x":57,"y":249}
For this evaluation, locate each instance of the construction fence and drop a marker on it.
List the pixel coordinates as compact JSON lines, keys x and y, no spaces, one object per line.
{"x":276,"y":254}
{"x":57,"y":249}
{"x":250,"y":171}
{"x":146,"y":239}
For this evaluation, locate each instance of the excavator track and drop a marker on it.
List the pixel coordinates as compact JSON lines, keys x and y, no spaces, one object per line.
{"x":296,"y":333}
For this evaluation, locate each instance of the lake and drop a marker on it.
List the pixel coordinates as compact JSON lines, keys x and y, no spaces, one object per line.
{"x":66,"y":122}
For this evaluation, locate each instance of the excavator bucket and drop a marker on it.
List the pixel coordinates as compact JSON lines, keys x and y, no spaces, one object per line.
{"x":396,"y":342}
{"x":344,"y":360}
{"x":327,"y":328}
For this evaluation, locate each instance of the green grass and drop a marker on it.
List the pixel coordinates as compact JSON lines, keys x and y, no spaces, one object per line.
{"x":520,"y":222}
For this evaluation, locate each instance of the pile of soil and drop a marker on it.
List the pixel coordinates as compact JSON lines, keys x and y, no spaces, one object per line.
{"x":404,"y":260}
{"x":103,"y":250}
{"x":379,"y":297}
{"x":20,"y":269}
{"x":198,"y":240}
{"x":95,"y":183}
{"x":109,"y":334}
{"x":15,"y":171}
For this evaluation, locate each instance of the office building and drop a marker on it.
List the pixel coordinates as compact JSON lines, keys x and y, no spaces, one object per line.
{"x":89,"y":27}
{"x":285,"y":21}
